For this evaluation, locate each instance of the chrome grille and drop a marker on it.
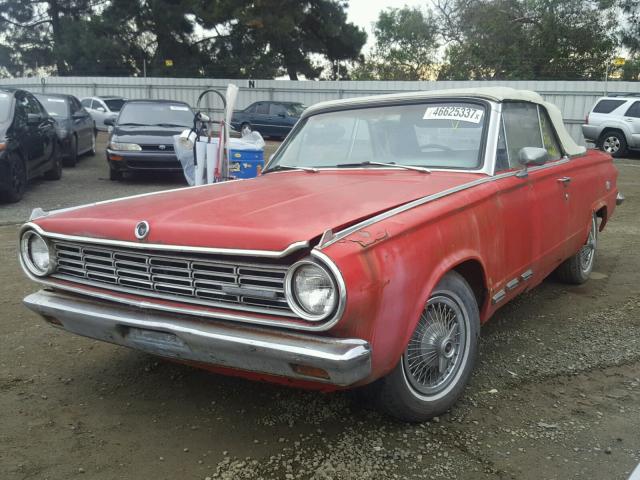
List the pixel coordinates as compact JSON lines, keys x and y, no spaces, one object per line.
{"x":202,"y":281}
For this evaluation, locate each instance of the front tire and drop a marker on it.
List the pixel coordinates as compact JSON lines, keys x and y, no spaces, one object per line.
{"x":245,"y":129}
{"x":115,"y":175}
{"x":577,"y":269}
{"x":439,"y":358}
{"x":17,"y":180}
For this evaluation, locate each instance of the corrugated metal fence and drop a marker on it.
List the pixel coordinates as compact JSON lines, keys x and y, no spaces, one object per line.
{"x":575,"y":99}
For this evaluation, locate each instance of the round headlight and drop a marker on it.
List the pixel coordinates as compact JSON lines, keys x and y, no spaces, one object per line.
{"x":311,"y":291}
{"x":35,"y":254}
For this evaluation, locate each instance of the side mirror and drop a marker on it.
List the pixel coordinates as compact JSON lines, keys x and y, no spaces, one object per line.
{"x":531,"y":156}
{"x":283,"y":115}
{"x":109,"y":121}
{"x":34,"y":119}
{"x":100,"y":109}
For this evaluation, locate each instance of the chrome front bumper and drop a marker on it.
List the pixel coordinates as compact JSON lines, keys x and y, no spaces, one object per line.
{"x":275,"y":352}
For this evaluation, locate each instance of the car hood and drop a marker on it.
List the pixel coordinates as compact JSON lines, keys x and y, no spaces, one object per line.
{"x":146,"y":135}
{"x":266,"y":213}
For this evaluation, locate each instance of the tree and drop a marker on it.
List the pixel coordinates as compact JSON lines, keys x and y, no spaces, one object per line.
{"x":230,"y":38}
{"x":407,"y":42}
{"x":528,"y":39}
{"x":36,"y":29}
{"x":293,"y":30}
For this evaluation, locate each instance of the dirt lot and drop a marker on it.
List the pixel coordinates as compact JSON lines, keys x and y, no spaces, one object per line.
{"x":556,"y":394}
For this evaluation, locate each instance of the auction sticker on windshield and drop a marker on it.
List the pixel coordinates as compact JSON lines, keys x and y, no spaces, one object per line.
{"x":463,"y":114}
{"x":179,"y":108}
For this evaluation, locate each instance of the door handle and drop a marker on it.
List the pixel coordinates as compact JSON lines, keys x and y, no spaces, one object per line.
{"x":628,"y":119}
{"x":565,"y":180}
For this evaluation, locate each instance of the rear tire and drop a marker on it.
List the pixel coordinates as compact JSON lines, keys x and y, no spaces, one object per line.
{"x":17,"y":180}
{"x":614,"y":143}
{"x":55,"y":173}
{"x":72,"y":160}
{"x":92,"y":152}
{"x":439,"y":358}
{"x":576,"y":269}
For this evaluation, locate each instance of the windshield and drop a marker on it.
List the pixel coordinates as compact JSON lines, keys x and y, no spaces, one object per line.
{"x":114,"y":104}
{"x":162,"y":114}
{"x":56,"y":107}
{"x":444,"y":134}
{"x":5,"y":106}
{"x":295,"y":109}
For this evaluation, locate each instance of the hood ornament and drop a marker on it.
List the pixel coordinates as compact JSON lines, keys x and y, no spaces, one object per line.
{"x":142,"y":230}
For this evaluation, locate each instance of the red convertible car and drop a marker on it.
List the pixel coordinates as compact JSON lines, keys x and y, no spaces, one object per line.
{"x":380,"y":237}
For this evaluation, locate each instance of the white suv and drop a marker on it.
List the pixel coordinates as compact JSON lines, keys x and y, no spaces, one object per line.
{"x":614,"y":124}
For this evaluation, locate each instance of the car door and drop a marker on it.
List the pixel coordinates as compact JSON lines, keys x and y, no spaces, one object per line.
{"x":632,"y":120}
{"x":82,"y":124}
{"x":548,"y":210}
{"x":278,"y":119}
{"x":260,"y":119}
{"x":39,"y":145}
{"x":47,"y":132}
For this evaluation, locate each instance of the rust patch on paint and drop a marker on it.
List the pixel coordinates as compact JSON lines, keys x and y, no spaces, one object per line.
{"x":366,"y":239}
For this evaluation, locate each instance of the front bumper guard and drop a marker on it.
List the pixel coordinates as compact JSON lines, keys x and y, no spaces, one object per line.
{"x":619,"y":199}
{"x":261,"y":350}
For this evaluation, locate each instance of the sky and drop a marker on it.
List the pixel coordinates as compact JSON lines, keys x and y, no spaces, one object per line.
{"x":365,"y":12}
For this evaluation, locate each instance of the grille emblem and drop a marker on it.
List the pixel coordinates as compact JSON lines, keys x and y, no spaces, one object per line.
{"x":142,"y":230}
{"x":162,"y":147}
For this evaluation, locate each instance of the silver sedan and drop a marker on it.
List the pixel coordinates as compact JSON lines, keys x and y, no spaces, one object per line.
{"x":101,"y":108}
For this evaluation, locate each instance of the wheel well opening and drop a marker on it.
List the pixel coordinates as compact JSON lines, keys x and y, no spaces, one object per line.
{"x":602,"y":215}
{"x":473,"y":273}
{"x":609,"y":130}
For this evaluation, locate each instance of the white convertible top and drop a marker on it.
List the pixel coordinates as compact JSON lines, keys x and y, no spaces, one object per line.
{"x":496,"y":94}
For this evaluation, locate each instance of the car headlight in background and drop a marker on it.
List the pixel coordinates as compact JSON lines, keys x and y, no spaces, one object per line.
{"x":36,"y":255}
{"x":311,"y":291}
{"x":129,"y":147}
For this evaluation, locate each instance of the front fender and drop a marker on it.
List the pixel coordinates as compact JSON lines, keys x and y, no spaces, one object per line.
{"x":389,"y":276}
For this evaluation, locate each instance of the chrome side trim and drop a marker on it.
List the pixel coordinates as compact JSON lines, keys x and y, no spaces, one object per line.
{"x":430,"y":198}
{"x":526,"y":275}
{"x":511,"y":284}
{"x":168,"y":248}
{"x":498,"y":297}
{"x":345,"y":361}
{"x":42,"y":213}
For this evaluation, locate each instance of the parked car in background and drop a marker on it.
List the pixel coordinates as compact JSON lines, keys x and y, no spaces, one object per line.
{"x":28,"y":143}
{"x":382,"y":234}
{"x":142,"y":136}
{"x":101,"y":108}
{"x":271,"y":119}
{"x":613,"y":124}
{"x":75,"y":127}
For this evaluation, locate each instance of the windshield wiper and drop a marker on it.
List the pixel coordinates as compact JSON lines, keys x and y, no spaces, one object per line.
{"x":382,"y":164}
{"x":132,"y":125}
{"x":275,"y":168}
{"x":169,"y":125}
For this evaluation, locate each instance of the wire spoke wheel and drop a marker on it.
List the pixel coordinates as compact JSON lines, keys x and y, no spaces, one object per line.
{"x":588,"y":251}
{"x":437,"y":347}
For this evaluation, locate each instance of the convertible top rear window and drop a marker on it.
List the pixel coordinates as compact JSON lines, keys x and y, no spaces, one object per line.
{"x":442,"y":134}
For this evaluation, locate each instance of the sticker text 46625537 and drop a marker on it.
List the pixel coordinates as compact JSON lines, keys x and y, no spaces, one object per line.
{"x":463,"y":114}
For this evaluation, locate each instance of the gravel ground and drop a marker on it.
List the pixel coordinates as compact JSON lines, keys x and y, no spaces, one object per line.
{"x":556,"y":394}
